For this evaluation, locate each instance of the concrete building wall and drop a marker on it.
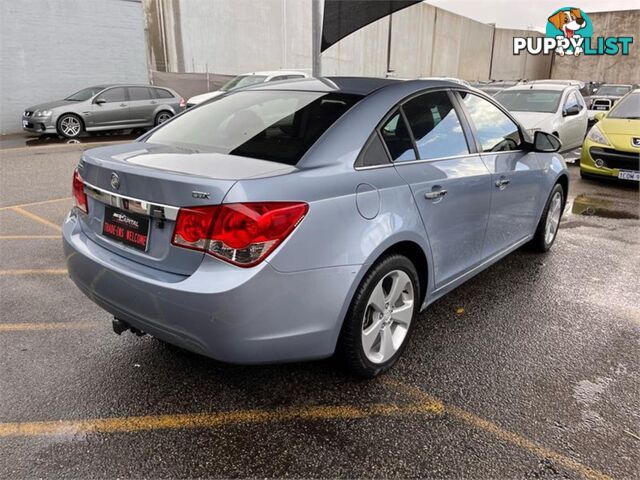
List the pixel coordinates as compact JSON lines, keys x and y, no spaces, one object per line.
{"x":52,"y":48}
{"x":507,"y":66}
{"x":605,"y":68}
{"x":220,"y":37}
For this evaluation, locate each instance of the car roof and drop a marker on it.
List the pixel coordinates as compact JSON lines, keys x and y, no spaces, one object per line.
{"x":354,"y":85}
{"x":616,"y":85}
{"x":558,"y":87}
{"x":272,"y":73}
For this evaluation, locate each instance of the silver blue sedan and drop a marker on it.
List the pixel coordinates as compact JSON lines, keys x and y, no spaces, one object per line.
{"x":293,"y":221}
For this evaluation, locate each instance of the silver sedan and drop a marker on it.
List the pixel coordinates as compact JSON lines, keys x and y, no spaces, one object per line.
{"x":103,"y":107}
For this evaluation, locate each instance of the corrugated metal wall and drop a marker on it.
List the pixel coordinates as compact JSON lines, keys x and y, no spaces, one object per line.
{"x":51,"y":48}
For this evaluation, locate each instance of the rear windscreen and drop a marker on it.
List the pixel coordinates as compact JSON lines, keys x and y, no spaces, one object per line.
{"x":279,"y":126}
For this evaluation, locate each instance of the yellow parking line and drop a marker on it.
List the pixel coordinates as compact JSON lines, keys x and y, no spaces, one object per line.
{"x":505,"y":435}
{"x":210,"y":420}
{"x":30,"y":237}
{"x":43,"y":202}
{"x":36,"y":218}
{"x":45,"y":271}
{"x":22,"y":327}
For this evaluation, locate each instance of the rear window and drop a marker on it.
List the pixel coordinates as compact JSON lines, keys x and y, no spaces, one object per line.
{"x":279,"y":126}
{"x":162,"y":93}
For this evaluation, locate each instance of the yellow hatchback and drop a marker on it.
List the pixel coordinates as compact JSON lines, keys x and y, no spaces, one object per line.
{"x":612,"y":146}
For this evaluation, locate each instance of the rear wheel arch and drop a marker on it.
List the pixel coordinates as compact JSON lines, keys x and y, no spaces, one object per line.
{"x":415,"y":253}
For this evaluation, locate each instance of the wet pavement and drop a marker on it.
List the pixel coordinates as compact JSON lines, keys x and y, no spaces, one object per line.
{"x":20,"y":140}
{"x":529,"y":370}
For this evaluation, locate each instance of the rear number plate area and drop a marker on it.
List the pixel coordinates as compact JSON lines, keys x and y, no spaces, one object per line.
{"x":127,"y":228}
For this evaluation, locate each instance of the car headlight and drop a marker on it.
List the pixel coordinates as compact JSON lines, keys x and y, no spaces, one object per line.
{"x":43,"y":113}
{"x":596,"y":135}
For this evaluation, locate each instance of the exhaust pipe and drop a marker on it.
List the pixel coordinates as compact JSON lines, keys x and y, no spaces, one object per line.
{"x":120,"y":326}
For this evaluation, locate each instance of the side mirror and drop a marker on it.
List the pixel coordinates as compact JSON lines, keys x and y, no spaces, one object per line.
{"x":572,"y":110}
{"x":100,"y":101}
{"x":598,"y":116}
{"x":545,"y":142}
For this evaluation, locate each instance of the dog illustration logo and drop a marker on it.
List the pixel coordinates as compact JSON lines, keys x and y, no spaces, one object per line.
{"x":569,"y":23}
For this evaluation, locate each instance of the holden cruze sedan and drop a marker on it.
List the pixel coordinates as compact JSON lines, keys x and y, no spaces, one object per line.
{"x":295,"y":220}
{"x":103,"y":107}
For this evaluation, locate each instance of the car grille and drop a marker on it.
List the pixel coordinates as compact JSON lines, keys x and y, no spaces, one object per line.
{"x":602,"y":104}
{"x":616,"y":159}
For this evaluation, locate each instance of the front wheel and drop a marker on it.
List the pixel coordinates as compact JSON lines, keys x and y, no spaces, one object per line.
{"x":163,"y":117}
{"x":548,"y":227}
{"x":381,"y":317}
{"x":70,"y":126}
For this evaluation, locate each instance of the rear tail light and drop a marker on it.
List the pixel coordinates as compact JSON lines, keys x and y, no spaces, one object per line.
{"x":240,"y":233}
{"x":183,"y":102}
{"x":77,"y":189}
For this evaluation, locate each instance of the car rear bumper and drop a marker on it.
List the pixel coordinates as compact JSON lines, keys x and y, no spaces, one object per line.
{"x":236,"y":315}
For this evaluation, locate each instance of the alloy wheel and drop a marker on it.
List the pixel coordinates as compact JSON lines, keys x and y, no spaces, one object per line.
{"x":70,"y":126}
{"x":163,"y":117}
{"x":553,"y":218}
{"x":387,"y":316}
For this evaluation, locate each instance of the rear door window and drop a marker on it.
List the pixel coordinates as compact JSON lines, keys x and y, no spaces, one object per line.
{"x":397,"y":138}
{"x":139,"y":93}
{"x":435,"y":126}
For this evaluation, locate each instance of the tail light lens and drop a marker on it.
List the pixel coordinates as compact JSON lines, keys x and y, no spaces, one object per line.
{"x":77,"y":189}
{"x":240,"y":233}
{"x":183,"y":102}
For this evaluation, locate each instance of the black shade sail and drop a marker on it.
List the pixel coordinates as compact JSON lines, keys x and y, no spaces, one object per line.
{"x":343,"y":17}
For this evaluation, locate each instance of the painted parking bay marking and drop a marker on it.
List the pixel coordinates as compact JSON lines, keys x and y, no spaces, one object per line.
{"x":213,"y":419}
{"x":505,"y":435}
{"x":32,"y":271}
{"x":39,"y":326}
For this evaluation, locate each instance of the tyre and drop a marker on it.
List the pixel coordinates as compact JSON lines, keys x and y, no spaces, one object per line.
{"x":162,"y":117}
{"x":70,"y":126}
{"x":381,"y":317}
{"x":547,"y":229}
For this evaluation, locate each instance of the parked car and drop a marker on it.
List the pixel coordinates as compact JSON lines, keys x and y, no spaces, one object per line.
{"x":103,"y":107}
{"x":588,"y":90}
{"x":607,"y":95}
{"x":493,"y":87}
{"x":447,"y":79}
{"x":288,"y":221}
{"x":554,"y":108}
{"x":245,"y":80}
{"x":612,"y":146}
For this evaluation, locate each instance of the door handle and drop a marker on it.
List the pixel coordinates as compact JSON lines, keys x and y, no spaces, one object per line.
{"x":502,"y":183}
{"x":123,"y":104}
{"x":153,"y":102}
{"x":435,"y":194}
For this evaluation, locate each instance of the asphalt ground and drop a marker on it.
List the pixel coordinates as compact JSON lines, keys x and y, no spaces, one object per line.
{"x":529,"y":370}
